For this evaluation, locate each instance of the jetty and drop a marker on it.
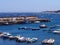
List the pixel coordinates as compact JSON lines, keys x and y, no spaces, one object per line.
{"x":21,"y":19}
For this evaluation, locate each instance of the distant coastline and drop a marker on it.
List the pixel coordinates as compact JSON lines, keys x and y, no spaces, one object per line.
{"x":57,"y":11}
{"x":46,"y":11}
{"x":13,"y":14}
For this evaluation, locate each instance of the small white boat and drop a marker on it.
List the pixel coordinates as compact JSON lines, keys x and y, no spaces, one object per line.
{"x":37,"y":22}
{"x":11,"y":37}
{"x":48,"y":41}
{"x":18,"y":36}
{"x":56,"y":31}
{"x":21,"y":39}
{"x":29,"y":40}
{"x":43,"y":26}
{"x":5,"y":35}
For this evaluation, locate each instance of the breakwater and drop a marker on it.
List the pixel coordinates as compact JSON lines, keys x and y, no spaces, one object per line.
{"x":21,"y":19}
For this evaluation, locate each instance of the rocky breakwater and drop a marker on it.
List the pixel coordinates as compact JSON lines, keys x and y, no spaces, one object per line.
{"x":21,"y":19}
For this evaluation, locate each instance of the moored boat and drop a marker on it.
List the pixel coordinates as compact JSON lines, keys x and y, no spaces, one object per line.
{"x":21,"y":39}
{"x":43,"y":26}
{"x":29,"y":40}
{"x":5,"y":35}
{"x":57,"y":31}
{"x":37,"y":22}
{"x":48,"y":41}
{"x":35,"y":28}
{"x":25,"y":28}
{"x":11,"y":37}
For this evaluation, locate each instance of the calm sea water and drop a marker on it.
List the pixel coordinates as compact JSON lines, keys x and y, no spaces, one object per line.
{"x":40,"y":34}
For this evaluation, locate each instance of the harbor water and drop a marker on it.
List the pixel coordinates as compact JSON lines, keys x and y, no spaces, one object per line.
{"x":40,"y":34}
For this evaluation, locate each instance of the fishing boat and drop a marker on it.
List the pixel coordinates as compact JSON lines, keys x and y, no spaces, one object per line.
{"x":37,"y":22}
{"x":21,"y":28}
{"x":57,"y":31}
{"x":48,"y":41}
{"x":16,"y":37}
{"x":11,"y":37}
{"x":43,"y":26}
{"x":21,"y":39}
{"x":5,"y":35}
{"x":35,"y":28}
{"x":29,"y":40}
{"x":25,"y":28}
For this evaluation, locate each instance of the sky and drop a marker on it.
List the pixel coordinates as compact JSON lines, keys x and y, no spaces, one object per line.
{"x":28,"y":5}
